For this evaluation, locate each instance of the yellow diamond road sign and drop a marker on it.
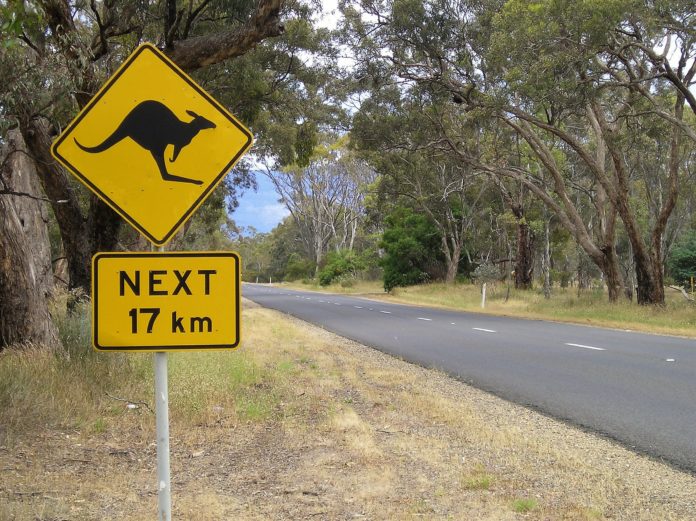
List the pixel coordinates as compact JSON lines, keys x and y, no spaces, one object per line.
{"x":152,"y":144}
{"x":165,"y":301}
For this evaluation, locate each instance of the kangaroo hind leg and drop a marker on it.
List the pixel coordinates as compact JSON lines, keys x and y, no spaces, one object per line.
{"x":159,"y":159}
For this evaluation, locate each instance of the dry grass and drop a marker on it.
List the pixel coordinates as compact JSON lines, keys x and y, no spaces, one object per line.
{"x":301,"y":424}
{"x":677,"y":317}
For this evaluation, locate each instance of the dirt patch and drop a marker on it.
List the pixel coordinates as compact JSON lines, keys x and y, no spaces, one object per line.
{"x":354,"y":434}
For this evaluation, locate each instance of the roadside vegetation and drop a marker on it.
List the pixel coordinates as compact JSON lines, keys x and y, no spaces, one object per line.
{"x":460,"y":143}
{"x":589,"y":307}
{"x":297,"y":424}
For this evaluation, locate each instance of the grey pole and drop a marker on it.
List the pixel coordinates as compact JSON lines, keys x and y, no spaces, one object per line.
{"x":162,"y":414}
{"x":164,"y":489}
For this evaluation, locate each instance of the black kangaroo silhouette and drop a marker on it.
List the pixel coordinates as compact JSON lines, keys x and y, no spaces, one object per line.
{"x":153,"y":126}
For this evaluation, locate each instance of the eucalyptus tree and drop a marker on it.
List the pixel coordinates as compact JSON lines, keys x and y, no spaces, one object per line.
{"x":393,"y":131}
{"x":620,"y":94}
{"x":560,"y":76}
{"x":61,"y":52}
{"x":56,"y":53}
{"x":325,"y":198}
{"x":26,"y":273}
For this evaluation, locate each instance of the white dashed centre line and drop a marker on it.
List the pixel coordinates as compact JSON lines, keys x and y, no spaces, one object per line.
{"x":428,"y":319}
{"x":586,"y":347}
{"x":357,"y":307}
{"x":484,"y":330}
{"x":386,"y":312}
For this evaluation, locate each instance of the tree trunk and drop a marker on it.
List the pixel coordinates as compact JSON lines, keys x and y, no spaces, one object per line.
{"x":546,"y":261}
{"x":650,"y":286}
{"x":612,"y":273}
{"x":66,"y":207}
{"x":452,"y":257}
{"x":524,"y":261}
{"x":318,"y":254}
{"x":26,"y":276}
{"x":82,"y":237}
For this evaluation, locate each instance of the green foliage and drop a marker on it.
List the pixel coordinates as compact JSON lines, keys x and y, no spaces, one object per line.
{"x":410,"y":243}
{"x":541,"y":46}
{"x":340,"y":264}
{"x":298,"y":268}
{"x":682,"y":261}
{"x":524,"y":505}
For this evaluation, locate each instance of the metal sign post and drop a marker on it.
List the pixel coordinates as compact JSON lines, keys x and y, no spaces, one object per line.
{"x":162,"y":414}
{"x":153,"y":145}
{"x":164,"y":482}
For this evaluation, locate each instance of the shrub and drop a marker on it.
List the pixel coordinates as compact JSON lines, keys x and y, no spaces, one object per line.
{"x":682,"y":261}
{"x":412,"y":245}
{"x":486,"y":272}
{"x":341,"y":264}
{"x":299,"y":268}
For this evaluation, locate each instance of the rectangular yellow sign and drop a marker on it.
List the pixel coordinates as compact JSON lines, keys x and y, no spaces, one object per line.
{"x":165,"y":301}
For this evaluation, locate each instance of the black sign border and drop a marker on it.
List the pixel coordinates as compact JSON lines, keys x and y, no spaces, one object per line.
{"x":157,"y":348}
{"x":168,"y":236}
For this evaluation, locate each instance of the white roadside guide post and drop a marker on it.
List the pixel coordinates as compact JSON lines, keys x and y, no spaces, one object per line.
{"x":153,"y":145}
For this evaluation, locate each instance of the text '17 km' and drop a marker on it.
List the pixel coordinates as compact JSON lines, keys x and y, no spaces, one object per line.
{"x":164,"y":283}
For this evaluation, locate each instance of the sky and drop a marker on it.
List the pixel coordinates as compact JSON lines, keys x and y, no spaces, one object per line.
{"x":260,"y":209}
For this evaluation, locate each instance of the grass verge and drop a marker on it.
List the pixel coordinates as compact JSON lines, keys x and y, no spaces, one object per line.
{"x":677,"y":317}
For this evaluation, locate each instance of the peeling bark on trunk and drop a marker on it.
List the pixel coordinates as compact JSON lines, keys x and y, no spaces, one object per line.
{"x":26,"y":276}
{"x":56,"y":186}
{"x":546,"y":261}
{"x":452,"y":257}
{"x":612,"y":274}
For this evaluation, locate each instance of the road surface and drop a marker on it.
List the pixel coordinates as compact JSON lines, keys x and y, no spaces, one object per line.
{"x":639,"y":389}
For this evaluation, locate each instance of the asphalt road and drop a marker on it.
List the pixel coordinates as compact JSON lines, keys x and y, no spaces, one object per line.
{"x":639,"y":389}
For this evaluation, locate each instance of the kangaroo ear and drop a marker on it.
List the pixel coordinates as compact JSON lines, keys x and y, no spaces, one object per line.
{"x":192,"y":114}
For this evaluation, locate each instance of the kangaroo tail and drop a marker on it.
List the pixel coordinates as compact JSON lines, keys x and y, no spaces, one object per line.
{"x":114,"y":138}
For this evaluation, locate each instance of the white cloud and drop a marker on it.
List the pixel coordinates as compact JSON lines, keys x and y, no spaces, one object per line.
{"x":272,"y":214}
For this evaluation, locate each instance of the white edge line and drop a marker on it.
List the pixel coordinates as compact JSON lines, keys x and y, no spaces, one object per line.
{"x":484,"y":330}
{"x":586,"y":347}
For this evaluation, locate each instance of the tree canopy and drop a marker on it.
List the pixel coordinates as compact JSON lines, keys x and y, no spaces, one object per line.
{"x":544,"y":139}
